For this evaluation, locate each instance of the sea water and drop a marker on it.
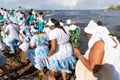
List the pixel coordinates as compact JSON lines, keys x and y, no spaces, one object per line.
{"x":109,"y":18}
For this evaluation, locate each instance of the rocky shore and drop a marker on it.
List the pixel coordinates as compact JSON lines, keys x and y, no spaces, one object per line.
{"x":22,"y":69}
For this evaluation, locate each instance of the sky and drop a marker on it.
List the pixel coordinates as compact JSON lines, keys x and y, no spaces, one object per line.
{"x":57,"y":4}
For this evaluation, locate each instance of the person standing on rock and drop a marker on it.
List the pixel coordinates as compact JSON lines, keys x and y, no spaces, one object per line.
{"x":60,"y":56}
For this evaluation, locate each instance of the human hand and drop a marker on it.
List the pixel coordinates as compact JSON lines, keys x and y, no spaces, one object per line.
{"x":48,"y":58}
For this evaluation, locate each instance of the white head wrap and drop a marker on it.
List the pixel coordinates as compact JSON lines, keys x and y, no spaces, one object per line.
{"x":99,"y":32}
{"x":50,"y":23}
{"x":91,"y":28}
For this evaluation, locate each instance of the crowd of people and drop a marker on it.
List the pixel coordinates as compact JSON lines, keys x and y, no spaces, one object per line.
{"x":55,"y":45}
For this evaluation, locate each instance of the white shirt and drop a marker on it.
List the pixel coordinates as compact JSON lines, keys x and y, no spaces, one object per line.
{"x":64,"y":48}
{"x":47,"y":30}
{"x":13,"y":32}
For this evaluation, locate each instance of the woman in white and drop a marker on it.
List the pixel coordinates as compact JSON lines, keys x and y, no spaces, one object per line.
{"x":61,"y":54}
{"x":102,"y":59}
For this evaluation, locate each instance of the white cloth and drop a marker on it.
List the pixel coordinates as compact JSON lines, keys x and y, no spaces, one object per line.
{"x":50,"y":23}
{"x":112,"y":55}
{"x":47,"y":30}
{"x":25,"y":44}
{"x":92,"y":27}
{"x":12,"y":31}
{"x":66,"y":28}
{"x":40,"y":18}
{"x":64,"y":48}
{"x":38,"y":55}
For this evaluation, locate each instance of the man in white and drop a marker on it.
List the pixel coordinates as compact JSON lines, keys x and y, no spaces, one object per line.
{"x":13,"y":36}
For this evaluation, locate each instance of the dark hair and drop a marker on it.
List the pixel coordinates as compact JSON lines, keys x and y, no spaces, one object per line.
{"x":57,"y":24}
{"x":2,"y":8}
{"x":24,"y":33}
{"x":31,"y":10}
{"x":30,"y":13}
{"x":99,"y":23}
{"x":21,"y":18}
{"x":41,"y":13}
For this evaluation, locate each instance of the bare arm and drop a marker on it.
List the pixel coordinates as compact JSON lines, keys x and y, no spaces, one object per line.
{"x":53,"y":44}
{"x":95,"y":57}
{"x":45,"y":13}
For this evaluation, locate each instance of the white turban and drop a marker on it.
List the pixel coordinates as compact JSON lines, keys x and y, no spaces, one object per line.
{"x":99,"y":32}
{"x":93,"y":28}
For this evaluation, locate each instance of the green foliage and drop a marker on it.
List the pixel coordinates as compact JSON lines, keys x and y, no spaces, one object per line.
{"x":75,"y":39}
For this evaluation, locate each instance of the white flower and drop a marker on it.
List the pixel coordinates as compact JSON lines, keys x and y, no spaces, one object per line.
{"x":68,"y":21}
{"x":73,"y":27}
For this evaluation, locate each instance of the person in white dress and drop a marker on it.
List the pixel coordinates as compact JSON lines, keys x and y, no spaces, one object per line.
{"x":60,"y":55}
{"x":102,"y":59}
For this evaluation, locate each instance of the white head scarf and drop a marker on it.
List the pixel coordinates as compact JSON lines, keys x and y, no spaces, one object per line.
{"x":92,"y":27}
{"x":50,"y":23}
{"x":99,"y":32}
